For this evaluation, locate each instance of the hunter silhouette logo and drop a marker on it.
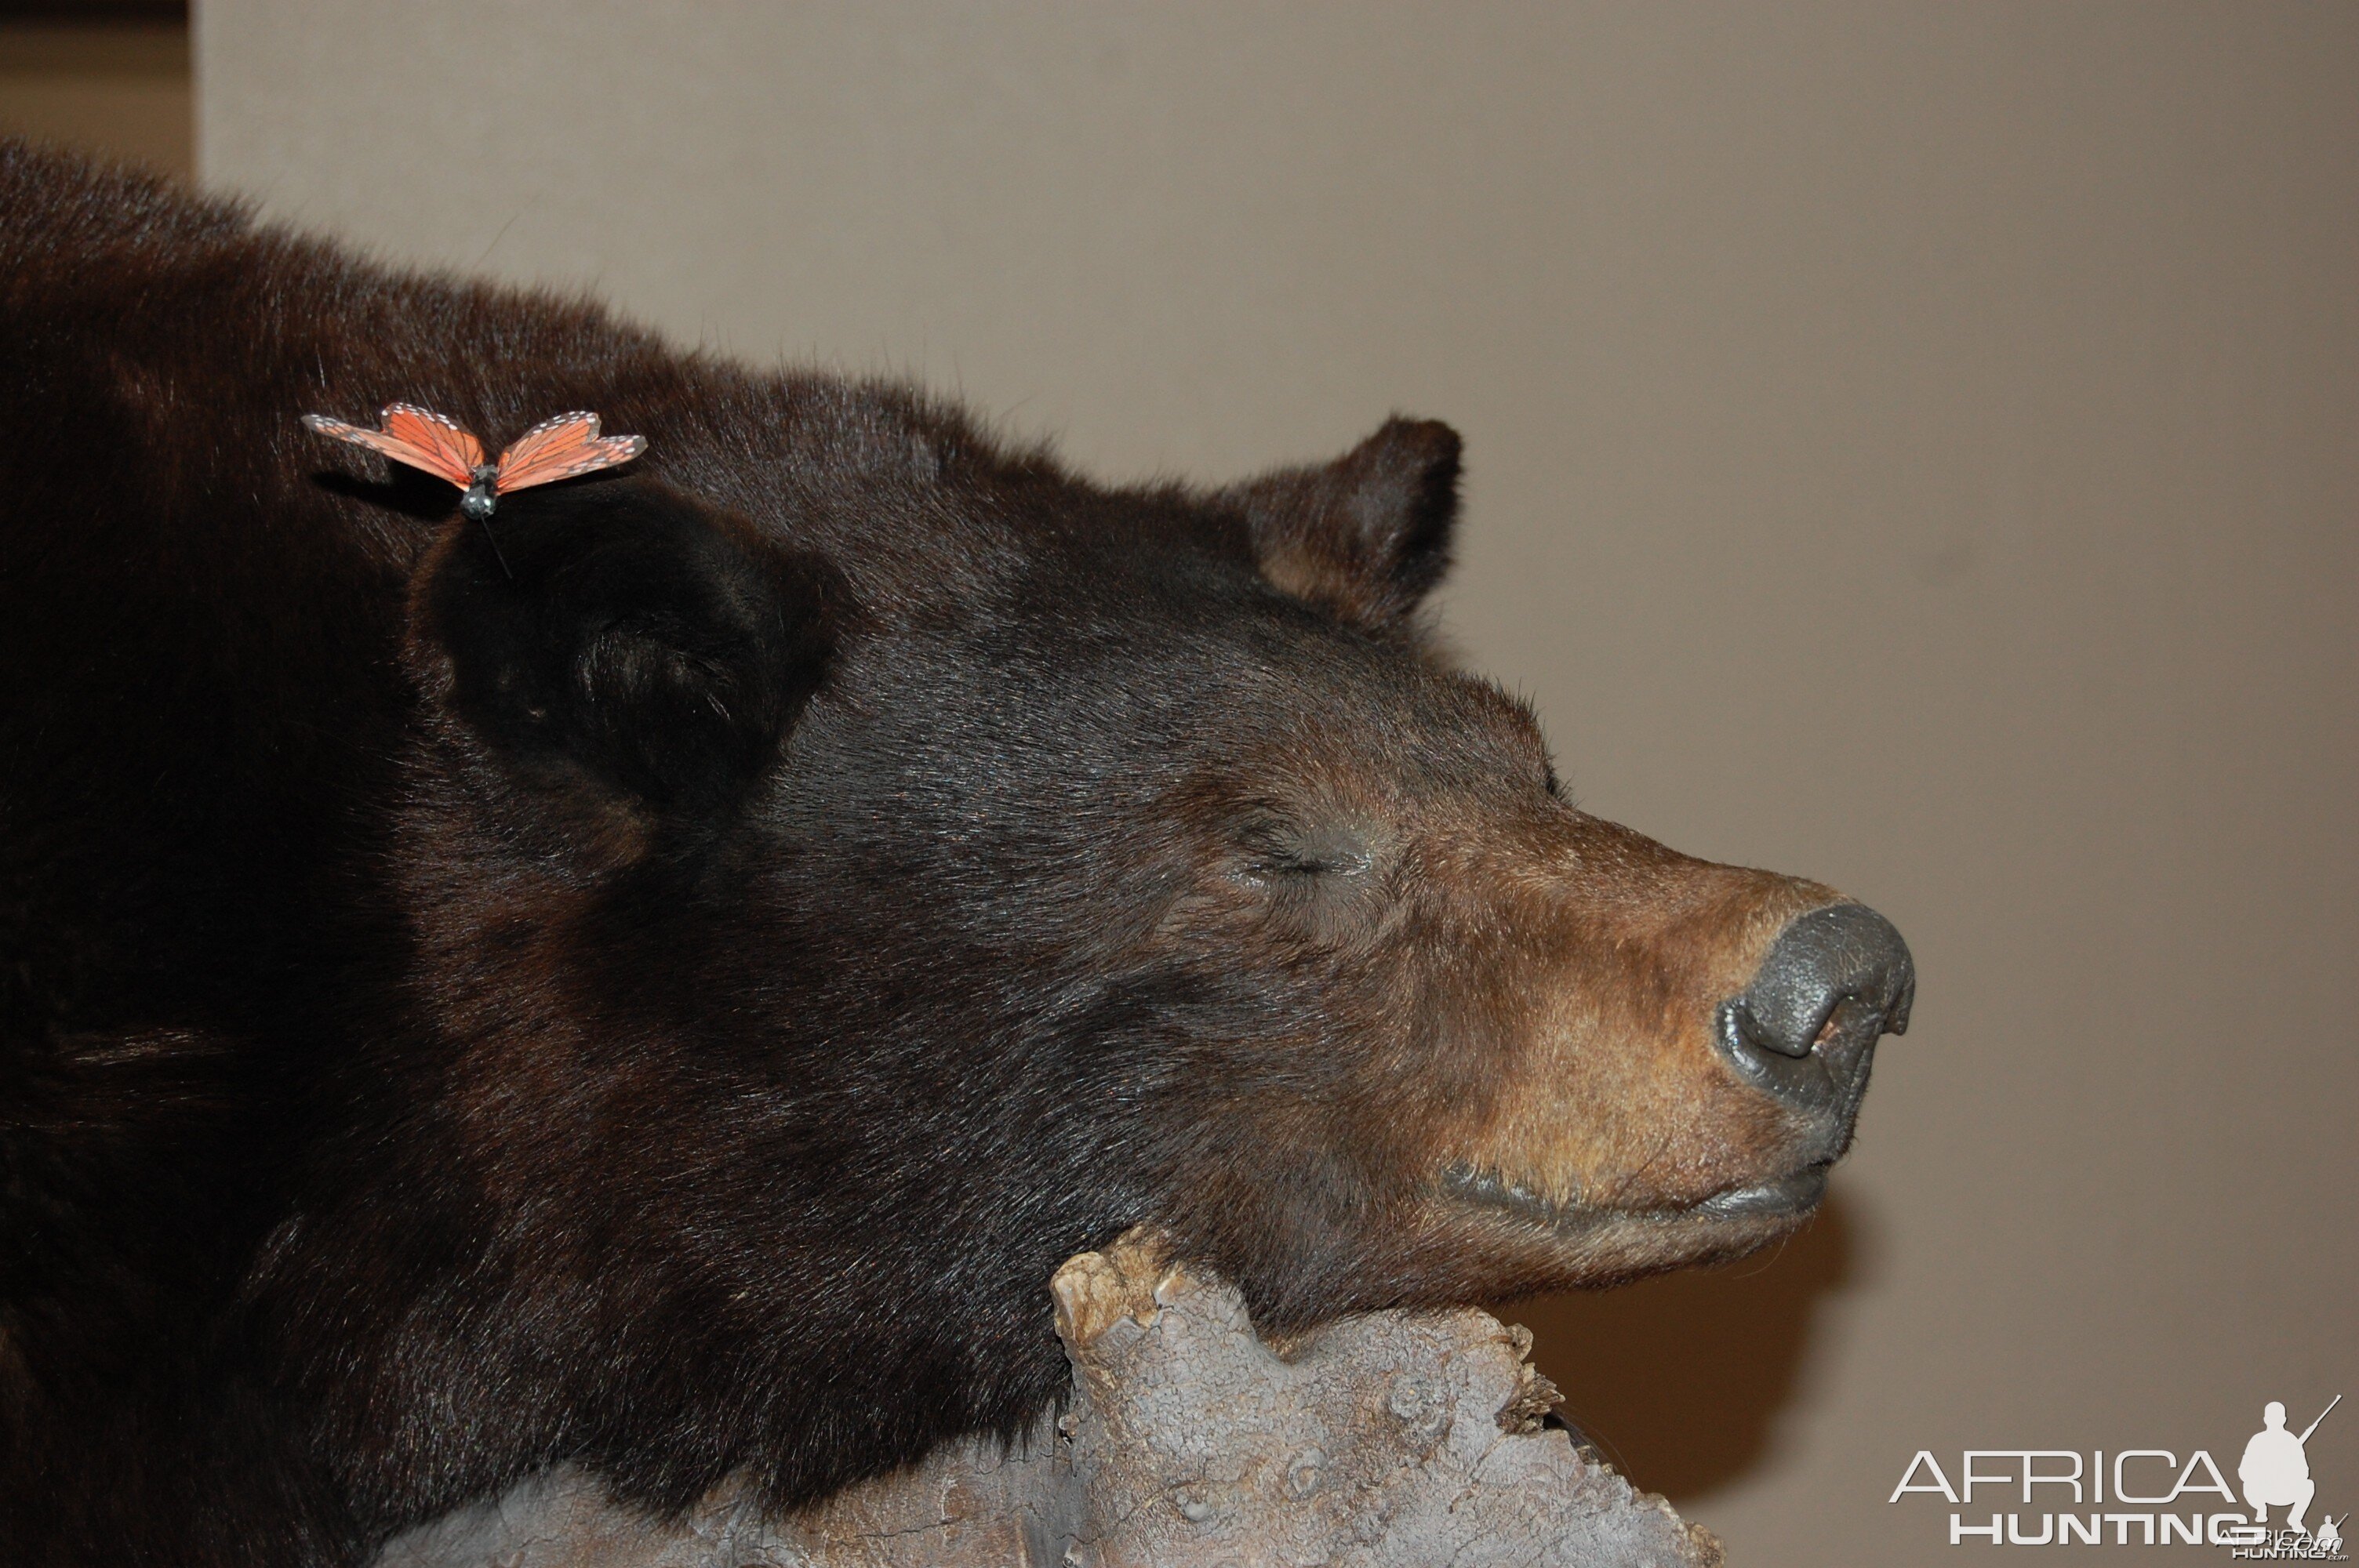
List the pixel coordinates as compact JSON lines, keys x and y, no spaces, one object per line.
{"x":2141,"y":1497}
{"x":2275,"y":1468}
{"x":2274,"y":1473}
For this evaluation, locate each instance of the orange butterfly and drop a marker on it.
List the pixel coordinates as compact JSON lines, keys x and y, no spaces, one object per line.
{"x":555,"y":448}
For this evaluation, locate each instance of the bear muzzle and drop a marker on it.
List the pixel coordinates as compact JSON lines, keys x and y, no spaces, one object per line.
{"x":1635,"y":1148}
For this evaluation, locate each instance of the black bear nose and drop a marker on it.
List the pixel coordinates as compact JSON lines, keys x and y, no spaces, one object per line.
{"x":1805,"y":1030}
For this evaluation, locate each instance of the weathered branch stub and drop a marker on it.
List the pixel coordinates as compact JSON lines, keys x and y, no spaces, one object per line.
{"x":1385,"y":1440}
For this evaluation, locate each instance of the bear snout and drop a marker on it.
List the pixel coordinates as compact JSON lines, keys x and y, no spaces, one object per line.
{"x":1686,"y":1049}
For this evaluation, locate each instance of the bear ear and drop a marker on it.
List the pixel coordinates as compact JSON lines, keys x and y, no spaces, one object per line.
{"x":1366,"y":535}
{"x":622,"y":636}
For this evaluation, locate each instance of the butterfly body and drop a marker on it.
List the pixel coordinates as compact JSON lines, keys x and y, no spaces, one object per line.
{"x":482,"y":492}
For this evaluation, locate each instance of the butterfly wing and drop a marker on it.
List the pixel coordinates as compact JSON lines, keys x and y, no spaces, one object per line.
{"x":460,"y":452}
{"x":415,"y":436}
{"x":560,"y":448}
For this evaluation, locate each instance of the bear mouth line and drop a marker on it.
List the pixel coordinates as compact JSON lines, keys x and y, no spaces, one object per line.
{"x":1788,"y":1195}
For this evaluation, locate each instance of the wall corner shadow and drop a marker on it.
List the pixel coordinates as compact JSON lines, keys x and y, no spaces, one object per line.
{"x":1679,"y":1379}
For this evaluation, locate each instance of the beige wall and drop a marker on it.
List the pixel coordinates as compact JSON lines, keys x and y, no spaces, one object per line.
{"x":1917,"y":446}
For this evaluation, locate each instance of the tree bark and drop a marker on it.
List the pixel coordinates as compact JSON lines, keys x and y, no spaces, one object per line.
{"x":1393,"y":1440}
